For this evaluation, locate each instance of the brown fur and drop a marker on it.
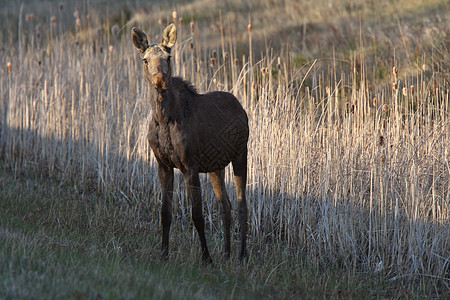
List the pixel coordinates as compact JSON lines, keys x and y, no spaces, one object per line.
{"x":195,"y":133}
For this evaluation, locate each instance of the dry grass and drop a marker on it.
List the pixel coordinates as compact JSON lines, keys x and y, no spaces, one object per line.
{"x":343,"y":172}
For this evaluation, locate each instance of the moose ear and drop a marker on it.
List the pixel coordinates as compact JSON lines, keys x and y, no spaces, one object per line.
{"x":169,"y":36}
{"x":139,"y":39}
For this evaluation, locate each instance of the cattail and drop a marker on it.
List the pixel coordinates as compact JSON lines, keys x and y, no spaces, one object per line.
{"x":249,"y":27}
{"x":53,"y":20}
{"x":383,"y":158}
{"x":374,"y":101}
{"x":384,"y":124}
{"x":38,"y":31}
{"x":394,"y":86}
{"x":424,"y":67}
{"x":174,"y":16}
{"x":380,"y":140}
{"x":347,"y":106}
{"x":412,"y":90}
{"x":76,"y":14}
{"x":181,"y":22}
{"x":253,"y":85}
{"x":214,"y":53}
{"x":101,"y":49}
{"x":191,"y":45}
{"x":395,"y":71}
{"x":88,"y":17}
{"x":8,"y":64}
{"x":78,"y":22}
{"x":61,"y":6}
{"x":29,"y":18}
{"x":215,"y":81}
{"x":111,"y":48}
{"x":263,"y":71}
{"x":192,"y":27}
{"x":236,"y":62}
{"x":42,"y":57}
{"x":213,"y":61}
{"x":385,"y":107}
{"x":279,"y":63}
{"x":327,"y":90}
{"x":353,"y":108}
{"x":405,"y":91}
{"x":115,"y":30}
{"x":225,"y":55}
{"x":160,"y":22}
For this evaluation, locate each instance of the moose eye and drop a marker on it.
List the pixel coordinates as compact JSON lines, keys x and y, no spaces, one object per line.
{"x":145,"y":61}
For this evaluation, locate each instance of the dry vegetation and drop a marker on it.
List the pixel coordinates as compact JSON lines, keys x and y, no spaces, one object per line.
{"x":349,"y":119}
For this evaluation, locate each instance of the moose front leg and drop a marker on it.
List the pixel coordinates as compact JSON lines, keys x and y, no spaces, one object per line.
{"x":195,"y":195}
{"x":166,"y":178}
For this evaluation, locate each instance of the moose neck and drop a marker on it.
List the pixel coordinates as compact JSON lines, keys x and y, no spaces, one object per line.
{"x":166,"y":105}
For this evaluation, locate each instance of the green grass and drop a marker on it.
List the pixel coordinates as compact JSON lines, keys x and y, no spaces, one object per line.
{"x":58,"y":243}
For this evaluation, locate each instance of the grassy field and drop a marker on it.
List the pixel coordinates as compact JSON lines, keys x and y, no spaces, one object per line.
{"x":57,"y":242}
{"x":349,"y":172}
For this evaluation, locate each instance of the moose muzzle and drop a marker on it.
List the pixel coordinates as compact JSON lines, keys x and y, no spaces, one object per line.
{"x":159,"y":82}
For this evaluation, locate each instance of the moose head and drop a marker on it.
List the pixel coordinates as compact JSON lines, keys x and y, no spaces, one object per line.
{"x":156,"y":57}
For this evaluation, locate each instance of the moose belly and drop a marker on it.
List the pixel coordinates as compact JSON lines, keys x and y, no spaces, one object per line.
{"x":224,"y":147}
{"x":208,"y":159}
{"x":211,"y":158}
{"x":218,"y":153}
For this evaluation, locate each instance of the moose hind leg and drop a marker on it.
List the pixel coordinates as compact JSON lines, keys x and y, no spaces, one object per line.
{"x":240,"y":177}
{"x":166,"y":179}
{"x":218,"y":182}
{"x":195,"y":194}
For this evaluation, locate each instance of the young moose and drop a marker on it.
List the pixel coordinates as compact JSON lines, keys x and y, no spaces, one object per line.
{"x":195,"y":133}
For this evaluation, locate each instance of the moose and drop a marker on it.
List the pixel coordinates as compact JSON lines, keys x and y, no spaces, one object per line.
{"x":195,"y":133}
